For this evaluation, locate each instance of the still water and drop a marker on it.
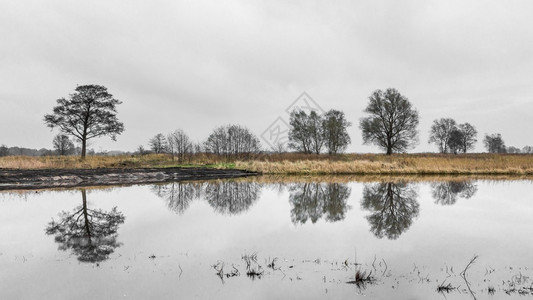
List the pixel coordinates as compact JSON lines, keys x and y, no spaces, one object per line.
{"x":296,"y":239}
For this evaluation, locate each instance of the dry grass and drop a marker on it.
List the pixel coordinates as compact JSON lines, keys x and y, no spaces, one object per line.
{"x":415,"y":164}
{"x":301,"y":164}
{"x":119,"y":161}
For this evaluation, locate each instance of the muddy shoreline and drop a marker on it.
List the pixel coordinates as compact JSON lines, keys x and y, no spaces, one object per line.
{"x":11,"y":179}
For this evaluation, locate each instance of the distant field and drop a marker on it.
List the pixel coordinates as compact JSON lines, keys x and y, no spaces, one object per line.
{"x":295,"y":164}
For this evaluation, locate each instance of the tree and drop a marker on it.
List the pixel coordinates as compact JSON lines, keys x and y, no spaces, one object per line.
{"x":392,"y":122}
{"x":241,"y":141}
{"x":316,"y":132}
{"x":141,"y":150}
{"x":4,"y":150}
{"x":512,"y":149}
{"x":455,"y":141}
{"x":91,"y":234}
{"x":469,"y":136}
{"x":179,"y":144}
{"x":88,"y":113}
{"x":527,"y":149}
{"x":158,"y":143}
{"x":232,"y":140}
{"x":299,"y":136}
{"x":63,"y":145}
{"x":494,"y":143}
{"x":335,"y":131}
{"x":307,"y":132}
{"x":440,"y":133}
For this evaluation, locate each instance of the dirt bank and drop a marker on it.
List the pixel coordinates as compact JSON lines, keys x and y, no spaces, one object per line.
{"x":51,"y":178}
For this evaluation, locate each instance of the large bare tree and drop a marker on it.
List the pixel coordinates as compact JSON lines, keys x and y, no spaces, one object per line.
{"x":87,"y":113}
{"x":392,"y":122}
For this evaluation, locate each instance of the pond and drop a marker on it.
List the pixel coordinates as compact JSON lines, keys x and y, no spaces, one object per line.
{"x":269,"y":238}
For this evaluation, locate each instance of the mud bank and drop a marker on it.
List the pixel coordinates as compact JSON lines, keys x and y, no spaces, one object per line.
{"x":52,"y":178}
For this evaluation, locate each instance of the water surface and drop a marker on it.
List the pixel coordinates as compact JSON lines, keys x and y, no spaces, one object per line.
{"x":303,"y":239}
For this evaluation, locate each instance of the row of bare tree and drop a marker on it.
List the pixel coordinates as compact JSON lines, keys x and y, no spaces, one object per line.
{"x":229,"y":141}
{"x":391,"y":124}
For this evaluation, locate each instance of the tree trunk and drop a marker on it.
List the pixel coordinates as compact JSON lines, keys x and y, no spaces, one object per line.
{"x":83,"y":148}
{"x":389,"y":150}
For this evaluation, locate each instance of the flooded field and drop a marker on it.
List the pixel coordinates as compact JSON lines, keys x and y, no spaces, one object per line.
{"x":268,"y":239}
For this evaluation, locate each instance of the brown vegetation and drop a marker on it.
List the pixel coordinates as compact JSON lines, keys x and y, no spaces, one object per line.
{"x":302,"y":164}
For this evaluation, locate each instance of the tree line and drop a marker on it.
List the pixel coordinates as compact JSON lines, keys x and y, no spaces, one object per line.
{"x":391,"y":123}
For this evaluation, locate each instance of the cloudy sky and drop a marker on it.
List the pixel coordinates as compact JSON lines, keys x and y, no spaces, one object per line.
{"x":195,"y":64}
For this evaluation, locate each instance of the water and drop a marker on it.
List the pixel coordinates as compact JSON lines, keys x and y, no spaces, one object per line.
{"x":170,"y":241}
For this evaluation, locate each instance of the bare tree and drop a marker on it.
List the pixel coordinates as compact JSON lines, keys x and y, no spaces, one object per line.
{"x":316,"y":132}
{"x":455,"y":141}
{"x":4,"y":151}
{"x":440,"y":133}
{"x":179,"y":144}
{"x":335,"y":130}
{"x":280,"y":147}
{"x":158,"y":143}
{"x":469,"y":136}
{"x":527,"y":149}
{"x":307,"y":132}
{"x":63,"y":145}
{"x":512,"y":149}
{"x":392,"y":122}
{"x":88,"y":113}
{"x":232,"y":140}
{"x":242,"y":141}
{"x":141,"y":150}
{"x":494,"y":143}
{"x":299,"y":136}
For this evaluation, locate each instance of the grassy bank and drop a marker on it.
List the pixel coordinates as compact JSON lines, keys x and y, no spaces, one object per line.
{"x":299,"y":164}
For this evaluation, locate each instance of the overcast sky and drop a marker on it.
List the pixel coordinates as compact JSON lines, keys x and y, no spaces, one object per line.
{"x":195,"y":64}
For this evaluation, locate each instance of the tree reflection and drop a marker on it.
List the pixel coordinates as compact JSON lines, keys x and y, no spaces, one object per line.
{"x":91,"y":234}
{"x":447,"y":193}
{"x":231,"y":197}
{"x":393,"y":207}
{"x":178,"y":195}
{"x":311,"y":201}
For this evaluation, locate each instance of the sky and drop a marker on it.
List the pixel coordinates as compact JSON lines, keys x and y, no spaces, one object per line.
{"x":196,"y":65}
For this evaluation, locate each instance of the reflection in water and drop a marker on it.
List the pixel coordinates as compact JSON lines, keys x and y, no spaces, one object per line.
{"x":393,"y":207}
{"x":231,"y":197}
{"x":178,"y":195}
{"x":446,"y":193}
{"x":226,"y":197}
{"x":89,"y":233}
{"x":313,"y":200}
